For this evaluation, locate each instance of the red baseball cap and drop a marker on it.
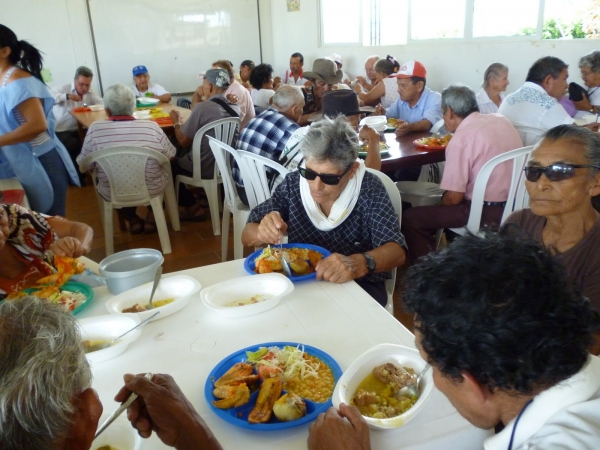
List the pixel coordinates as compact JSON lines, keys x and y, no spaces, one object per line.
{"x":411,"y":69}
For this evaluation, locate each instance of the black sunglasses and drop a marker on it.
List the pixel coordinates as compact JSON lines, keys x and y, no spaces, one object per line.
{"x":555,"y":172}
{"x":326,"y":178}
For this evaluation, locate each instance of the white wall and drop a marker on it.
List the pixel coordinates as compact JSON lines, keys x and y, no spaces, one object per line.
{"x":58,"y":28}
{"x":445,"y":62}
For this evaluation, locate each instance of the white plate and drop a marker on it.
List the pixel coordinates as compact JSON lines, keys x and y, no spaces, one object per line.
{"x":144,"y":114}
{"x":148,"y":101}
{"x":120,"y":434}
{"x":108,"y":327}
{"x":217,"y":296}
{"x":181,"y":287}
{"x":365,"y":363}
{"x":585,"y":119}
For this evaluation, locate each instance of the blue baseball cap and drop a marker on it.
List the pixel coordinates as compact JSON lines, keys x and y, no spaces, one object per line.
{"x":139,"y":70}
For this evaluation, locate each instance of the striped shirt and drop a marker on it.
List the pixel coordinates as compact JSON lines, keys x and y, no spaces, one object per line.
{"x":137,"y":133}
{"x":40,"y":139}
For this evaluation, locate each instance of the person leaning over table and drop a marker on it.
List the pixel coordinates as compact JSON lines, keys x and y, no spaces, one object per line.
{"x":495,"y":82}
{"x":562,"y":176}
{"x":143,"y":88}
{"x":589,"y":65}
{"x":501,"y":352}
{"x":69,"y":96}
{"x":477,"y":139}
{"x":370,"y":81}
{"x":333,"y":202}
{"x":418,"y":107}
{"x":29,"y":148}
{"x":25,"y":238}
{"x":385,"y":90}
{"x":323,"y":76}
{"x":122,"y":128}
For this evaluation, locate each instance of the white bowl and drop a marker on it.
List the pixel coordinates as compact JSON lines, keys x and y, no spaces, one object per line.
{"x":96,"y":107}
{"x":179,"y":287}
{"x":144,"y":114}
{"x":378,"y":123}
{"x":275,"y":285}
{"x":148,"y":101}
{"x":130,"y":268}
{"x":108,"y":327}
{"x":365,"y":363}
{"x":119,"y":435}
{"x":585,"y":119}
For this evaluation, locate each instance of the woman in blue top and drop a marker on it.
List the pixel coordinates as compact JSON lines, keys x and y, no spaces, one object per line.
{"x":29,"y":148}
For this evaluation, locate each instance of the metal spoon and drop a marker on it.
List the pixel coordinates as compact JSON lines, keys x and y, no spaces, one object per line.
{"x":103,"y":345}
{"x":154,"y":286}
{"x":412,"y":390}
{"x":285,"y":265}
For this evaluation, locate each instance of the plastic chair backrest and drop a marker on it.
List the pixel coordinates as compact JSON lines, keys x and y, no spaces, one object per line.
{"x":221,"y":150}
{"x":254,"y":169}
{"x":436,"y":126}
{"x":517,"y":194}
{"x":184,"y":103}
{"x":125,"y":168}
{"x":392,"y":191}
{"x":224,"y":129}
{"x":529,"y":135}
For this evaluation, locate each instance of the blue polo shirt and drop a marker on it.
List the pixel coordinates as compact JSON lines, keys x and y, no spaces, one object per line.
{"x":428,"y":107}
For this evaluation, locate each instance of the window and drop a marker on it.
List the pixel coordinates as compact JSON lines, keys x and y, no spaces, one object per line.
{"x":491,"y":18}
{"x":434,"y":19}
{"x":396,"y":22}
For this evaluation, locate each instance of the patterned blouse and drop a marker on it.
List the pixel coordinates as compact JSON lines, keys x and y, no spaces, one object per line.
{"x":29,"y":236}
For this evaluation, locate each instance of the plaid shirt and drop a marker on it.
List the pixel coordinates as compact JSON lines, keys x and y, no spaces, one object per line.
{"x":371,"y":224}
{"x":266,"y":136}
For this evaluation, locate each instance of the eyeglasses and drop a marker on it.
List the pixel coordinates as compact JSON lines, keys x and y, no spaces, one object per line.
{"x":555,"y":172}
{"x":326,"y":178}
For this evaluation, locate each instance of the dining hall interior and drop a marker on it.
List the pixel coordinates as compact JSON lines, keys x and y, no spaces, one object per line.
{"x":386,"y":98}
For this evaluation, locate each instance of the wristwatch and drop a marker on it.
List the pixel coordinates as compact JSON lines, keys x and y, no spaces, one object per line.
{"x":67,"y":96}
{"x":370,"y":262}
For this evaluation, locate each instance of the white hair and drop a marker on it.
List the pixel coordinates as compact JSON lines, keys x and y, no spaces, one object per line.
{"x":288,"y":96}
{"x":120,"y":100}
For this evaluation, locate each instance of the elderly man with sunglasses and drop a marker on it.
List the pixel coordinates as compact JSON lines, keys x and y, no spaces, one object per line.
{"x":562,"y":177}
{"x":333,"y":202}
{"x":477,"y":139}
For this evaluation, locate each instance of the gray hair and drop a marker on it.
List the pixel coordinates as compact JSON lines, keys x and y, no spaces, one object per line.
{"x":582,"y":138}
{"x":288,"y":96}
{"x":82,"y":70}
{"x":372,"y":57}
{"x":461,"y":99}
{"x":332,"y":140}
{"x":591,"y":61}
{"x":120,"y":100}
{"x":42,"y":368}
{"x":494,"y":70}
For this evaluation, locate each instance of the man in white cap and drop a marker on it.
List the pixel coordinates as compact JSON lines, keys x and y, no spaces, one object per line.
{"x":339,"y":62}
{"x":143,"y":88}
{"x":418,"y":107}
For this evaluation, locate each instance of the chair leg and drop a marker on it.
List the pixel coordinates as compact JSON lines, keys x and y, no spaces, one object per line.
{"x":238,"y":227}
{"x":225,"y":232}
{"x":107,"y":213}
{"x":171,"y":202}
{"x":213,"y":205}
{"x":161,"y":224}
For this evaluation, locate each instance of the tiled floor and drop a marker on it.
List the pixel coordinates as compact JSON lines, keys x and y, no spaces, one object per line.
{"x":193,"y":246}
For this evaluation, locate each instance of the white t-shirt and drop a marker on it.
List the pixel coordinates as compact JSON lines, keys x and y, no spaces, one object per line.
{"x":153,"y":88}
{"x":531,"y":106}
{"x":594,"y":95}
{"x":288,"y":78}
{"x":391,"y":92}
{"x":486,"y":105}
{"x":566,"y":416}
{"x":261,"y":97}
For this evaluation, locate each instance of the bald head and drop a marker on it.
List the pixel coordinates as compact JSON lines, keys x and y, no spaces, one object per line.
{"x":370,"y":67}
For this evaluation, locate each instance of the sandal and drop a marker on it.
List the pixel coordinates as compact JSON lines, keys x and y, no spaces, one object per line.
{"x":192,"y":214}
{"x":136,"y":225}
{"x":150,"y":224}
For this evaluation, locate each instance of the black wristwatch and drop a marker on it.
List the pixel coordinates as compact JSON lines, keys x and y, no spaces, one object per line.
{"x":67,"y":96}
{"x":370,"y":262}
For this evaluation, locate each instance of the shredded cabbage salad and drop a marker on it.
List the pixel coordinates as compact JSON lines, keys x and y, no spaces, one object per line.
{"x":290,"y":359}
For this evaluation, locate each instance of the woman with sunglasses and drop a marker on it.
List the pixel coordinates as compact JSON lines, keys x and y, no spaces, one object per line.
{"x":561,"y":178}
{"x":333,"y":202}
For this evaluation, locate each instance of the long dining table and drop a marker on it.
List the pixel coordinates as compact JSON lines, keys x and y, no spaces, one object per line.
{"x":404,"y":153}
{"x":339,"y":319}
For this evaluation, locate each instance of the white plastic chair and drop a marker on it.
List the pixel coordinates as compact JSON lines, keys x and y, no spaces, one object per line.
{"x":258,"y":189}
{"x":125,"y":167}
{"x":225,"y":130}
{"x":529,"y":135}
{"x":517,"y":194}
{"x":7,"y":184}
{"x":396,"y":199}
{"x":232,"y":203}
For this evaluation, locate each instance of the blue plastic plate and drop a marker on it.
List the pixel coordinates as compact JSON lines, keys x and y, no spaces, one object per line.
{"x":73,"y":286}
{"x":239,"y":416}
{"x":249,"y":264}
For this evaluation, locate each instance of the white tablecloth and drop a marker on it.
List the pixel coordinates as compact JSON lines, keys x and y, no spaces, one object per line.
{"x":341,"y":320}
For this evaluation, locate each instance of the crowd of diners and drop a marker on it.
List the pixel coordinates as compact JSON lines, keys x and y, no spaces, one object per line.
{"x":508,"y":320}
